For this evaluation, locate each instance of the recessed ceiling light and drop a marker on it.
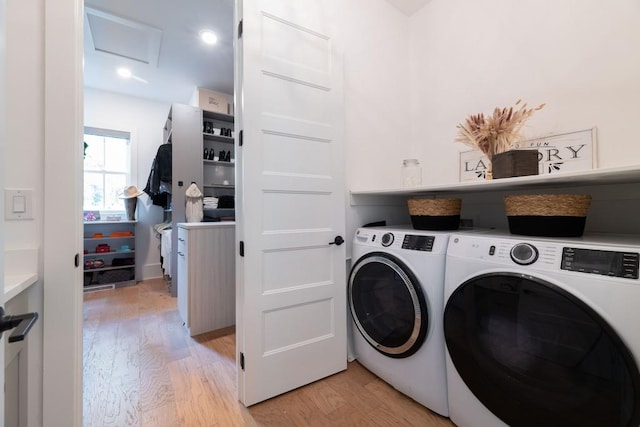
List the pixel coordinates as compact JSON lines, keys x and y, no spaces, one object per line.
{"x":125,"y":73}
{"x":208,"y":36}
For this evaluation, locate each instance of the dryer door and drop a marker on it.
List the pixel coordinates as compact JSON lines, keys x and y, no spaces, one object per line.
{"x":536,"y":355}
{"x":388,"y":305}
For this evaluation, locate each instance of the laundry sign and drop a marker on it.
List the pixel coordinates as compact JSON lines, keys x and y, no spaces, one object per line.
{"x":566,"y":152}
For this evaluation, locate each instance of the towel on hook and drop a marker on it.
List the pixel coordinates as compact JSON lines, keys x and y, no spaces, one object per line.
{"x":194,"y":209}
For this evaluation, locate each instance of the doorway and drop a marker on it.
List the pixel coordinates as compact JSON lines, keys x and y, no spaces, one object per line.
{"x":158,"y":42}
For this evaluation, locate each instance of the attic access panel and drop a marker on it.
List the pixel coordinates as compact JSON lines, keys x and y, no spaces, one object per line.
{"x":113,"y":35}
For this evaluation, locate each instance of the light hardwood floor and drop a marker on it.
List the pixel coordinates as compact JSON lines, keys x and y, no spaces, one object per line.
{"x":142,"y":369}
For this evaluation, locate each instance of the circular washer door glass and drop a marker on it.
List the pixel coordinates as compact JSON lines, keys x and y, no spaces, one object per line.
{"x":536,"y":355}
{"x":388,"y":305}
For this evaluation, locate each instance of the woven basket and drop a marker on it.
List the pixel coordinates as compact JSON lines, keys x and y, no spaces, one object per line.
{"x":548,"y":205}
{"x":550,"y":215}
{"x":434,"y":207}
{"x":435,"y":214}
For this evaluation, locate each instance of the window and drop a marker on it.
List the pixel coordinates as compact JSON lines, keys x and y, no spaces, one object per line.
{"x":107,"y":169}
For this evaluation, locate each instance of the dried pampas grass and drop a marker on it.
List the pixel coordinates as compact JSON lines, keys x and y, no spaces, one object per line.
{"x":496,"y":133}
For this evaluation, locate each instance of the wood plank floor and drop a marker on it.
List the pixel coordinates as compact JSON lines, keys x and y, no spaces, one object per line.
{"x":142,"y":369}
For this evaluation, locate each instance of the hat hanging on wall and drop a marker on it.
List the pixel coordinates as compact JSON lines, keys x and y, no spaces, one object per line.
{"x":130,"y":192}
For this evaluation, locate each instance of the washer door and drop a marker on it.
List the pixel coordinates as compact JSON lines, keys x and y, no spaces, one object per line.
{"x":387,"y":305}
{"x":536,"y":355}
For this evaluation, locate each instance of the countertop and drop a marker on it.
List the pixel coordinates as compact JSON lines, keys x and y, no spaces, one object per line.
{"x":200,"y":225}
{"x":21,"y":271}
{"x":13,"y":285}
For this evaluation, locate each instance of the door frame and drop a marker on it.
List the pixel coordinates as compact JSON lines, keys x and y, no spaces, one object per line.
{"x":3,"y":138}
{"x":62,"y":222}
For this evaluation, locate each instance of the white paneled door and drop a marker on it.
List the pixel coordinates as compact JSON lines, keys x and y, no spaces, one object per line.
{"x":291,"y":313}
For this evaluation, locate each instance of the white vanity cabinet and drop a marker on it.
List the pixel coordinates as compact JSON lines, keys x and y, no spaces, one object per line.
{"x":206,"y":275}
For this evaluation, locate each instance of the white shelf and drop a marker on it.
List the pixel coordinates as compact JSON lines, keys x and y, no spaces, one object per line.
{"x":123,"y":221}
{"x":220,"y":186}
{"x":99,"y":254}
{"x":86,"y":239}
{"x":110,"y":267}
{"x":219,"y":163}
{"x":224,"y":210}
{"x":108,"y":286}
{"x":212,"y":115}
{"x":218,"y":138}
{"x":621,"y":175}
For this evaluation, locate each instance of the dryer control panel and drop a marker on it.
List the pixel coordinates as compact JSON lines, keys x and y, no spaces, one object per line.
{"x":418,"y":243}
{"x":606,"y":263}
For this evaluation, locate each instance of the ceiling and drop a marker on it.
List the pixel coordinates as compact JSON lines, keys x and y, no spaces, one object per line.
{"x":158,"y":40}
{"x":408,"y":7}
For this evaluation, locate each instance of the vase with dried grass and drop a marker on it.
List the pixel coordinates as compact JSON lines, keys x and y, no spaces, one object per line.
{"x":495,"y":133}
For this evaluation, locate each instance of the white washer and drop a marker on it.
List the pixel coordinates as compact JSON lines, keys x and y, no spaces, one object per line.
{"x":395,"y":298}
{"x":542,"y":332}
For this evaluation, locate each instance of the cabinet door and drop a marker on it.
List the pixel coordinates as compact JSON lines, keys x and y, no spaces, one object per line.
{"x":183,"y":275}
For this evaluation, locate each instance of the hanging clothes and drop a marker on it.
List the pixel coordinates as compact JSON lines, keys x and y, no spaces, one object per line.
{"x":159,"y":183}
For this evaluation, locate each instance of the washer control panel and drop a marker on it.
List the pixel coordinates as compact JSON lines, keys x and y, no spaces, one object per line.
{"x":606,"y":263}
{"x":418,"y":243}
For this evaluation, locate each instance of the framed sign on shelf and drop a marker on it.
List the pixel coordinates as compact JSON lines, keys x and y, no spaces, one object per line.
{"x":566,"y":152}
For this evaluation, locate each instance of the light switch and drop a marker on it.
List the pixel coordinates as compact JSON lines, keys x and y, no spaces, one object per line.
{"x":18,"y":204}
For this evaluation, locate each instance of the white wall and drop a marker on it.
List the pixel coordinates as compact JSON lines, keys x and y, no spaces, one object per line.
{"x":145,"y":120}
{"x":25,"y":132}
{"x":376,"y":85}
{"x":580,"y":58}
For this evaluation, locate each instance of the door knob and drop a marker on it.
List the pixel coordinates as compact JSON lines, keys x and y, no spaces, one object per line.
{"x":337,"y":241}
{"x":22,"y":323}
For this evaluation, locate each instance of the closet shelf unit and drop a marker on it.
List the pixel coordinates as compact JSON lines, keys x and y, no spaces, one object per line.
{"x":102,"y":241}
{"x":218,"y":174}
{"x":191,"y":131}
